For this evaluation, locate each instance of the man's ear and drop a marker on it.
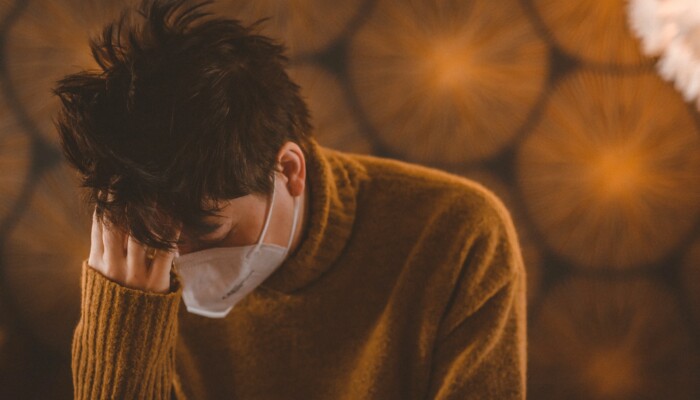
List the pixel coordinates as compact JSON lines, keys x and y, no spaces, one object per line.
{"x":293,"y":167}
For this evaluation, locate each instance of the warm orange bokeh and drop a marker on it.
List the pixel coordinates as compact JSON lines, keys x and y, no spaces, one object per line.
{"x":549,"y":103}
{"x":611,"y":340}
{"x":49,"y":41}
{"x":611,"y":178}
{"x":447,"y":82}
{"x":595,"y":30}
{"x":303,"y":25}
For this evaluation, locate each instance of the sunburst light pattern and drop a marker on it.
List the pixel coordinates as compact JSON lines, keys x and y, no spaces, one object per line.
{"x":48,"y":41}
{"x":594,"y":30}
{"x":303,"y":25}
{"x":597,"y":340}
{"x":611,"y":177}
{"x":447,"y":81}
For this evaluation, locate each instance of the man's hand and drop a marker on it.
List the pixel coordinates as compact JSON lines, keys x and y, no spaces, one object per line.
{"x":122,"y":259}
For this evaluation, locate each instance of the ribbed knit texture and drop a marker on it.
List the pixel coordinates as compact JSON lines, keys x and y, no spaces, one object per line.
{"x":123,"y":346}
{"x":408,"y":283}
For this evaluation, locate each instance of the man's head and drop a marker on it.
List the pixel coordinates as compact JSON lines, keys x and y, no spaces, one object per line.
{"x":186,"y":112}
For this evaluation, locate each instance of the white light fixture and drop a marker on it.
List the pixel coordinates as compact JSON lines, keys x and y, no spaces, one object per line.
{"x":670,"y":29}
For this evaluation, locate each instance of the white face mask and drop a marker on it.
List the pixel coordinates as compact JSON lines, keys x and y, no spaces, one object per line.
{"x":214,"y":280}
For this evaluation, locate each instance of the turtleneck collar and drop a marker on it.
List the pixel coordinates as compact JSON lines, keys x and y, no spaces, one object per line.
{"x":334,"y":180}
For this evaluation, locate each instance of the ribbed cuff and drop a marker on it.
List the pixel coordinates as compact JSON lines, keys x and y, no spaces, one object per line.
{"x":123,"y":345}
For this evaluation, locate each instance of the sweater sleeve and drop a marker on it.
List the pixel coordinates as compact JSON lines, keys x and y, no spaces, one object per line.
{"x":124,"y":343}
{"x":480,"y":350}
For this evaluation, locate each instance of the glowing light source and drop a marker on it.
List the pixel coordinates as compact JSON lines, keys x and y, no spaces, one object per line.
{"x":671,"y":29}
{"x":446,"y":65}
{"x":611,"y":178}
{"x":447,"y":81}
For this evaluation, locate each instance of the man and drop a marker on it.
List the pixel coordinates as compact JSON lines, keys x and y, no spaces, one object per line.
{"x":305,"y":273}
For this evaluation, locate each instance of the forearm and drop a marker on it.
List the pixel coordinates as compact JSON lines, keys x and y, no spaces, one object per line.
{"x":123,"y":344}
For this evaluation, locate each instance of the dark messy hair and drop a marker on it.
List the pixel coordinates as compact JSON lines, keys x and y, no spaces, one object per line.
{"x":187,"y":109}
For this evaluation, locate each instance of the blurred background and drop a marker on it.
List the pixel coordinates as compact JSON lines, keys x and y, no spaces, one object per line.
{"x":552,"y":104}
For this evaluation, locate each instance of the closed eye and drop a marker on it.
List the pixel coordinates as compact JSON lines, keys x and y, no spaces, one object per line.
{"x":218,"y":238}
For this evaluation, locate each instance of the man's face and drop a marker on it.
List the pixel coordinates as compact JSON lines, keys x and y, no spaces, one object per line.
{"x":242,"y":221}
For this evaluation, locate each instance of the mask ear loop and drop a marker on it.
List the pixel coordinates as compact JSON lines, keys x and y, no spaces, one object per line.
{"x":297,"y":203}
{"x":267,"y":217}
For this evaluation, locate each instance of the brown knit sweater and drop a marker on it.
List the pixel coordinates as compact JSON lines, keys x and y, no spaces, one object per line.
{"x":407,"y":284}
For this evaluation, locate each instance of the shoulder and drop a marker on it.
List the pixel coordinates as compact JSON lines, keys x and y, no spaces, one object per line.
{"x":459,"y":227}
{"x":417,"y":186}
{"x":461,"y":230}
{"x":453,"y":204}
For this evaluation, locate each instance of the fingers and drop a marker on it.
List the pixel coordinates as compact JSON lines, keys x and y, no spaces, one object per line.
{"x":122,"y":258}
{"x":114,"y":252}
{"x":159,"y":279}
{"x":136,"y":262}
{"x":143,"y":273}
